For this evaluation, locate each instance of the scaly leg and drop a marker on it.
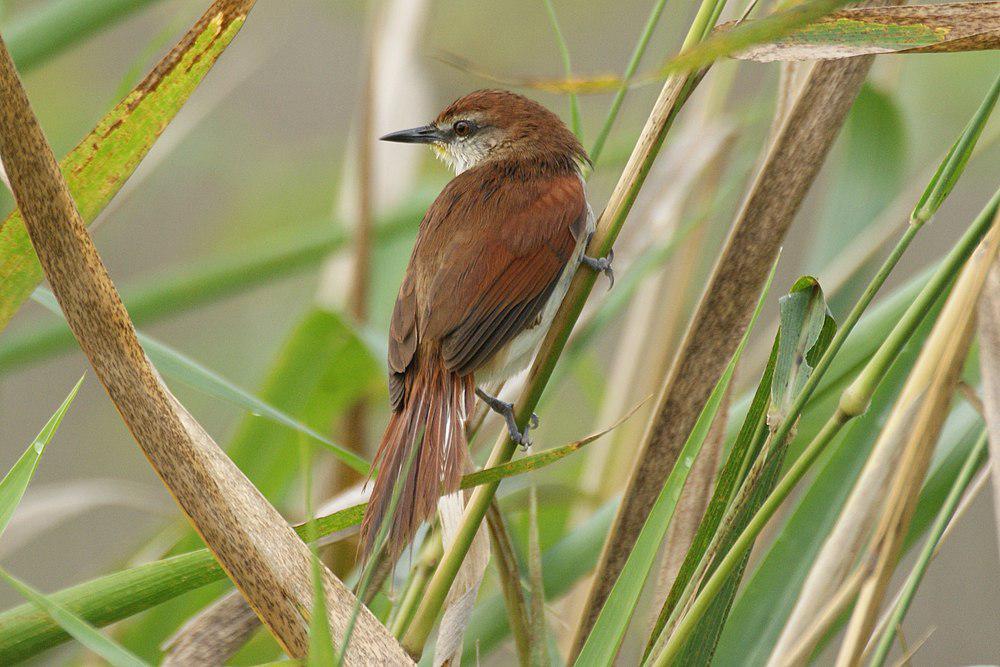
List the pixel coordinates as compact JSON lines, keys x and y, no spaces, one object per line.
{"x":602,"y":265}
{"x":506,"y":410}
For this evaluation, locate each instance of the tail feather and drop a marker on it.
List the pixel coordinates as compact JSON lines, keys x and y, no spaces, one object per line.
{"x":432,"y":419}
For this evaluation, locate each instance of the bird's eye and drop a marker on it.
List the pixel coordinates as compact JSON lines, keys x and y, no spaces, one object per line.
{"x":462,"y":128}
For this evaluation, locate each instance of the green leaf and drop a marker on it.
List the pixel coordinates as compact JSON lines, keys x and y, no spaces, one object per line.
{"x":602,"y":643}
{"x":323,"y":368}
{"x":174,"y":364}
{"x":51,"y":27}
{"x":742,"y":453}
{"x":15,"y":482}
{"x":951,"y":168}
{"x":540,"y":459}
{"x":100,"y":164}
{"x":563,"y":565}
{"x":959,"y":26}
{"x":760,"y":611}
{"x":79,"y":629}
{"x":739,"y":37}
{"x":806,"y":328}
{"x":24,"y":632}
{"x":805,"y":332}
{"x":216,"y":277}
{"x":574,"y":103}
{"x":111,"y":598}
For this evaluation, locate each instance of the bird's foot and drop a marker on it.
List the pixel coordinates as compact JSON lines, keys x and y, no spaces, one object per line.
{"x":506,"y":410}
{"x":602,"y":265}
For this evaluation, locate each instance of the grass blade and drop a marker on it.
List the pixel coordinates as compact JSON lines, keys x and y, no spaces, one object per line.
{"x":916,"y":422}
{"x":745,"y":449}
{"x":321,"y":650}
{"x":977,"y":455}
{"x":805,"y":332}
{"x":15,"y":482}
{"x":216,"y":277}
{"x":819,"y":587}
{"x":953,"y":165}
{"x":962,"y":26}
{"x":574,"y":103}
{"x":563,"y":565}
{"x":79,"y":629}
{"x":630,"y":68}
{"x":101,"y":163}
{"x":806,"y":328}
{"x":789,"y":168}
{"x":602,"y":642}
{"x":694,"y":55}
{"x":853,"y":403}
{"x":181,"y":367}
{"x":122,"y":594}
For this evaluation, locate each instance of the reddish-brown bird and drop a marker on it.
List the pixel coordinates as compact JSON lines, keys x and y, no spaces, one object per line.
{"x":493,"y":258}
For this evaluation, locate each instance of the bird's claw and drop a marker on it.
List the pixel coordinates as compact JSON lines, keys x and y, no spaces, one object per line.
{"x":506,"y":410}
{"x":517,"y":435}
{"x":602,"y":265}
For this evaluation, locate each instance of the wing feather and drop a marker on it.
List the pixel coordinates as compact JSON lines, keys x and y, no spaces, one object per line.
{"x":483,"y":268}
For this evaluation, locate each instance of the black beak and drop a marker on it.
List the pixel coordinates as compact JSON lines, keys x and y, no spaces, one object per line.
{"x":427,"y":134}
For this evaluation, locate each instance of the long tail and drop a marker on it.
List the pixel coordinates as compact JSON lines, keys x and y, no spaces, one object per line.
{"x":432,"y":418}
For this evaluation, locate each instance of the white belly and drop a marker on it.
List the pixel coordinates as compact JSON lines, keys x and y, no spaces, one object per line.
{"x":515,"y":356}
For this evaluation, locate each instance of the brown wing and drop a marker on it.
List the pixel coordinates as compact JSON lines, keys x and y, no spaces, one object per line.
{"x":489,"y":253}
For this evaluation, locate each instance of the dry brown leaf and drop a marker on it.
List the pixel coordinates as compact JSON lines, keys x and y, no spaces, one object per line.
{"x":931,"y":384}
{"x":214,"y":635}
{"x":789,"y":169}
{"x":257,"y":548}
{"x":989,"y":363}
{"x":943,"y":28}
{"x":962,"y":26}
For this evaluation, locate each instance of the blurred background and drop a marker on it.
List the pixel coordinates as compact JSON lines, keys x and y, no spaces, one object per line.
{"x":258,"y":157}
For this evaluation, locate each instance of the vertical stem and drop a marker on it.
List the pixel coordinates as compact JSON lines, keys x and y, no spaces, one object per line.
{"x":851,"y":406}
{"x":574,"y":102}
{"x":972,"y":463}
{"x":253,"y":543}
{"x":630,"y":68}
{"x":675,"y":91}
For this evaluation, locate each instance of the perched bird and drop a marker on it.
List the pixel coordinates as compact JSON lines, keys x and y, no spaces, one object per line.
{"x":493,"y":259}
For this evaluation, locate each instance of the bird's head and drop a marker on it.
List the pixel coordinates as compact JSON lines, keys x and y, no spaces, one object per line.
{"x":496,"y":125}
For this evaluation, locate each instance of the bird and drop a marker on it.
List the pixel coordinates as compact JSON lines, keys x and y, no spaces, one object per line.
{"x":493,"y":259}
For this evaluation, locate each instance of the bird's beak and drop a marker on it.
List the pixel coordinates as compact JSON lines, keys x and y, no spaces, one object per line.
{"x":427,"y":134}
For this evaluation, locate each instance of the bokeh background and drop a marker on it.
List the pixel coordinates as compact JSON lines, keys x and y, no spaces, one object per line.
{"x":259,"y":154}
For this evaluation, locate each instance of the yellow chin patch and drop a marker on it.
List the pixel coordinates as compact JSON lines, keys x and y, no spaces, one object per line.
{"x":442,"y":153}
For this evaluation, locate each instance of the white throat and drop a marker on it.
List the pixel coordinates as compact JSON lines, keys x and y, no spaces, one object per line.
{"x":460,"y":156}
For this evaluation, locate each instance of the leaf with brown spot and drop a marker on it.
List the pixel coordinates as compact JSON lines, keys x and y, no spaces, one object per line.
{"x":961,"y":26}
{"x":101,"y":163}
{"x":805,"y":35}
